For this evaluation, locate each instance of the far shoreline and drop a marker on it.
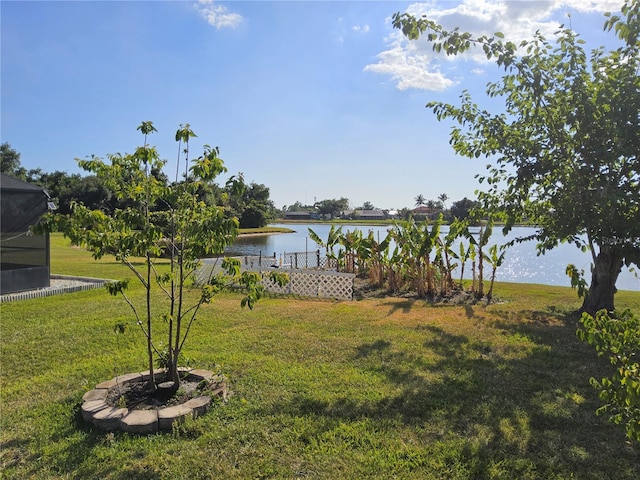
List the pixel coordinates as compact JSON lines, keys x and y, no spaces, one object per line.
{"x":259,"y":232}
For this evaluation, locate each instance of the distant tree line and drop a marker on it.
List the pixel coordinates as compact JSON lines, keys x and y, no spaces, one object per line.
{"x":336,"y":208}
{"x":253,"y":208}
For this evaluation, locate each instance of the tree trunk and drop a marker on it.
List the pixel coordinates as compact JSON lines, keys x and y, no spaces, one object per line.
{"x":152,"y":380}
{"x":608,"y":265}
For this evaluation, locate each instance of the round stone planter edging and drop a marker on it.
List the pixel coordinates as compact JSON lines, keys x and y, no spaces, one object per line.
{"x":96,"y":410}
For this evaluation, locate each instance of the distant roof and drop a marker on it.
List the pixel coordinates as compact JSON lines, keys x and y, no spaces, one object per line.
{"x":369,"y":213}
{"x":299,"y":214}
{"x":422,"y":209}
{"x":8,"y":182}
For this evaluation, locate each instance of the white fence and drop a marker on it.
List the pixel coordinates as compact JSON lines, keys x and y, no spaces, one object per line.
{"x":306,"y":283}
{"x":314,"y":283}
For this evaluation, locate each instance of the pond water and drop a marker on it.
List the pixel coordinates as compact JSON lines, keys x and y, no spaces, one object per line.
{"x":521,"y":263}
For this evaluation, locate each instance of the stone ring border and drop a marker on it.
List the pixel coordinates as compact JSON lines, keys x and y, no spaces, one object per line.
{"x":109,"y":418}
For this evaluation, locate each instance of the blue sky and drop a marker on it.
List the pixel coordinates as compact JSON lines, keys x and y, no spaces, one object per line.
{"x":316,"y":100}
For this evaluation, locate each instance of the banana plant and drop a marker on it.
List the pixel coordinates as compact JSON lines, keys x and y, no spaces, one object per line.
{"x":332,"y":240}
{"x":416,"y":243}
{"x":351,"y":241}
{"x":478,"y":245}
{"x":445,"y":252}
{"x":395,"y":271}
{"x":404,"y":254}
{"x":496,"y":261}
{"x":374,"y":255}
{"x":430,"y":243}
{"x":483,"y":240}
{"x":462,"y":256}
{"x":455,"y":232}
{"x":472,"y":256}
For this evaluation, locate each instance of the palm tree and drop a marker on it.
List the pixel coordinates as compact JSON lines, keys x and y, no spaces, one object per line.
{"x":420,"y":200}
{"x":443,"y":197}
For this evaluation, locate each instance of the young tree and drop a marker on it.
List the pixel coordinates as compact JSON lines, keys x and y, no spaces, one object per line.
{"x":566,"y":145}
{"x":185,"y":230}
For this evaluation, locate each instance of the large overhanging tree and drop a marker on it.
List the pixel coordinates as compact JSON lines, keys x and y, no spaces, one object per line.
{"x":566,"y":144}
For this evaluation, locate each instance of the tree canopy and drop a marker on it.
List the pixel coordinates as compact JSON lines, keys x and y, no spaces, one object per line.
{"x":250,"y":203}
{"x":564,"y":150}
{"x":10,"y":161}
{"x":333,"y":206}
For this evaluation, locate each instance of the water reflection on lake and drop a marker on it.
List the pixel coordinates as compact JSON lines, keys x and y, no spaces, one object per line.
{"x":521,"y":262}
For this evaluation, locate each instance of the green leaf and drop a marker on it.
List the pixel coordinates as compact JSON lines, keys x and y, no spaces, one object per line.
{"x":118,"y":287}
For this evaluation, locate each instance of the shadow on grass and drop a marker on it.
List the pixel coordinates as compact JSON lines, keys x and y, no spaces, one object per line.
{"x":400,"y":305}
{"x":405,"y":306}
{"x":366,"y":349}
{"x":15,"y":453}
{"x":71,"y":448}
{"x":524,"y":406}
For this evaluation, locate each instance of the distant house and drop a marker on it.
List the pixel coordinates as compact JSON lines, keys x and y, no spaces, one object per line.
{"x":297,"y":216}
{"x":423,"y":212}
{"x":374,"y":214}
{"x":24,"y":257}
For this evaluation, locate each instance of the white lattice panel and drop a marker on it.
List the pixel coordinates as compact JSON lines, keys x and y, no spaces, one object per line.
{"x":306,"y":283}
{"x":272,"y":287}
{"x":203,"y":273}
{"x":316,"y":284}
{"x":336,"y":286}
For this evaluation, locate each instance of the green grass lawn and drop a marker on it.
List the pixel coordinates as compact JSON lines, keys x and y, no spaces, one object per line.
{"x":383,"y":388}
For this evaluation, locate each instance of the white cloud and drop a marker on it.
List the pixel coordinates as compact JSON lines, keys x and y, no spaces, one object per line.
{"x":217,"y":15}
{"x":593,"y":5}
{"x":412,"y":64}
{"x":409,"y":69}
{"x":361,"y":28}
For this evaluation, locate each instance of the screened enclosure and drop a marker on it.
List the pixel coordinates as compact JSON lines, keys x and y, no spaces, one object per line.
{"x":24,"y":257}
